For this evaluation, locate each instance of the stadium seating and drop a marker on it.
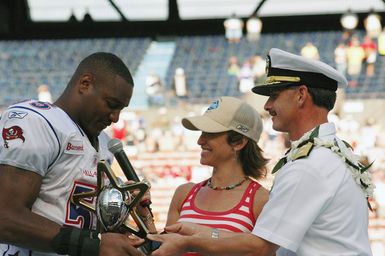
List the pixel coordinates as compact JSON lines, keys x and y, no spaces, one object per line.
{"x":205,"y":60}
{"x":24,"y":65}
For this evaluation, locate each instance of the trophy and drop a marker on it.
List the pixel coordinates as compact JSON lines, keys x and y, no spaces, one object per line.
{"x":116,"y":201}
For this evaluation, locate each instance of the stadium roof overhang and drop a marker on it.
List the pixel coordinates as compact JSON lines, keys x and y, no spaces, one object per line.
{"x":121,"y":18}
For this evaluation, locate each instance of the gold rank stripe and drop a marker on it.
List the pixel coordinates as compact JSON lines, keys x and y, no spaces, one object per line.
{"x":277,"y":79}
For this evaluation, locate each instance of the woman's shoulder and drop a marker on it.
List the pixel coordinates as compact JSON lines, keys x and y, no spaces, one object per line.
{"x":185,"y":188}
{"x":260,"y":199}
{"x":261,"y":194}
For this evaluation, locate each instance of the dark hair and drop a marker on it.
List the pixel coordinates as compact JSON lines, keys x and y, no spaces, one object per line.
{"x":105,"y":63}
{"x":323,"y":98}
{"x":250,"y":156}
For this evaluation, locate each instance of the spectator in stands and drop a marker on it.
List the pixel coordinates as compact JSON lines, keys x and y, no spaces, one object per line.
{"x":370,"y":49}
{"x":231,"y":199}
{"x":309,"y":50}
{"x":233,"y":68}
{"x":44,"y":94}
{"x":346,"y":37}
{"x":154,"y":89}
{"x":253,"y":28}
{"x":319,"y":196}
{"x":233,"y":29}
{"x":355,"y":56}
{"x":258,"y":67}
{"x":381,"y":43}
{"x":372,"y":24}
{"x":245,"y":77}
{"x":340,"y":58}
{"x":180,"y":83}
{"x":51,"y":151}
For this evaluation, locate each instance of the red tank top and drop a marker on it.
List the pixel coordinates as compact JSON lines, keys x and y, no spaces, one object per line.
{"x":238,"y":219}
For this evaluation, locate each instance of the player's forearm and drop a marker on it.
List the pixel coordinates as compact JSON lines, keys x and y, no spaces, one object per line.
{"x":26,"y":229}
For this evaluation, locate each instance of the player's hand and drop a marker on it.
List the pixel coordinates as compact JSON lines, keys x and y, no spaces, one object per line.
{"x":145,"y":201}
{"x":172,"y":244}
{"x":175,"y":241}
{"x":116,"y":244}
{"x":189,"y":229}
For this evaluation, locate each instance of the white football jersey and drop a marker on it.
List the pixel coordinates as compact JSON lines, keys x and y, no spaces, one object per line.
{"x":42,"y":138}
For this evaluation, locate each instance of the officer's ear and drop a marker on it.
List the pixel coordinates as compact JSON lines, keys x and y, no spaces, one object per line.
{"x":302,"y":95}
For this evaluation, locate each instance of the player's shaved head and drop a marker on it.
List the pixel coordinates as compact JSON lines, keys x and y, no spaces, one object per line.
{"x":103,"y":63}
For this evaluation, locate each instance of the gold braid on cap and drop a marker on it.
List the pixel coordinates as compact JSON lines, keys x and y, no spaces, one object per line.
{"x":277,"y":79}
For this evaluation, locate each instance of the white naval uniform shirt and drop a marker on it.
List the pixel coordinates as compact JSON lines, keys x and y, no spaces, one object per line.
{"x":315,"y":207}
{"x":42,"y":138}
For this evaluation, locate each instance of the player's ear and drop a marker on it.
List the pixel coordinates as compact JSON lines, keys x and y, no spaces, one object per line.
{"x":85,"y":82}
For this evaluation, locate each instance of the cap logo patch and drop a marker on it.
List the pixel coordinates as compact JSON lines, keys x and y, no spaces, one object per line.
{"x":242,"y":128}
{"x":213,"y":105}
{"x":12,"y":133}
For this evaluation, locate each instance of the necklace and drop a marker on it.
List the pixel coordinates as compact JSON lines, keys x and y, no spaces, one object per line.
{"x":227,"y":187}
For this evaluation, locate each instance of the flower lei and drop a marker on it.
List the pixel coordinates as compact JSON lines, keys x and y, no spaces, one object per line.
{"x":309,"y":140}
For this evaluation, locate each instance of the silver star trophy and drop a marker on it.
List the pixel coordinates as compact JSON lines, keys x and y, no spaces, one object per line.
{"x":115,"y":203}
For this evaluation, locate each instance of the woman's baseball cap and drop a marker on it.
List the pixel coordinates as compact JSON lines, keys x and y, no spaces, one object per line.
{"x":225,"y":114}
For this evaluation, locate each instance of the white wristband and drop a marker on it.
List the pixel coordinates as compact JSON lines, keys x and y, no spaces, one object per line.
{"x":215,"y":233}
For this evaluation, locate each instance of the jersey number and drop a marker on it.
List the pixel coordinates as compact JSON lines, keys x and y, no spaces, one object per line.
{"x":77,"y":215}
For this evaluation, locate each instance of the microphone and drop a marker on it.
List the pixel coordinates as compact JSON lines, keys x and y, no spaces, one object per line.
{"x":115,"y":146}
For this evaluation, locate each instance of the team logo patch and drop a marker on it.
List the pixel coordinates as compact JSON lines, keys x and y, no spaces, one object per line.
{"x":40,"y":105}
{"x":213,"y":105}
{"x":17,"y":114}
{"x":12,"y":133}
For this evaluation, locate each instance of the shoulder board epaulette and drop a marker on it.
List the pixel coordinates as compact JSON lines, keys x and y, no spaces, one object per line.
{"x":303,"y":151}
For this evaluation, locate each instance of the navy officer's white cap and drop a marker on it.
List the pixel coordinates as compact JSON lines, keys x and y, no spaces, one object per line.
{"x":285,"y":69}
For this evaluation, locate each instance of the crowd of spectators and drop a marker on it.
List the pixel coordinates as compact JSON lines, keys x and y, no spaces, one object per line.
{"x":355,"y":56}
{"x":158,"y":93}
{"x":356,"y":52}
{"x":250,"y":72}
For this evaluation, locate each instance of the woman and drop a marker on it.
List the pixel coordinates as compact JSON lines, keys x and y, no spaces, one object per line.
{"x":231,"y":199}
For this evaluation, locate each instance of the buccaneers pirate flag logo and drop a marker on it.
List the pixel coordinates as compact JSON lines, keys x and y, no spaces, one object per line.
{"x":12,"y":133}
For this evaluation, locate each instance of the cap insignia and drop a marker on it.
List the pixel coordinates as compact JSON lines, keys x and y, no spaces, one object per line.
{"x":213,"y":105}
{"x":268,"y":64}
{"x":242,"y":128}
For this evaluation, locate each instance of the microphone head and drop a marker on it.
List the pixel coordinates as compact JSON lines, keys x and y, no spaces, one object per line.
{"x":115,"y":146}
